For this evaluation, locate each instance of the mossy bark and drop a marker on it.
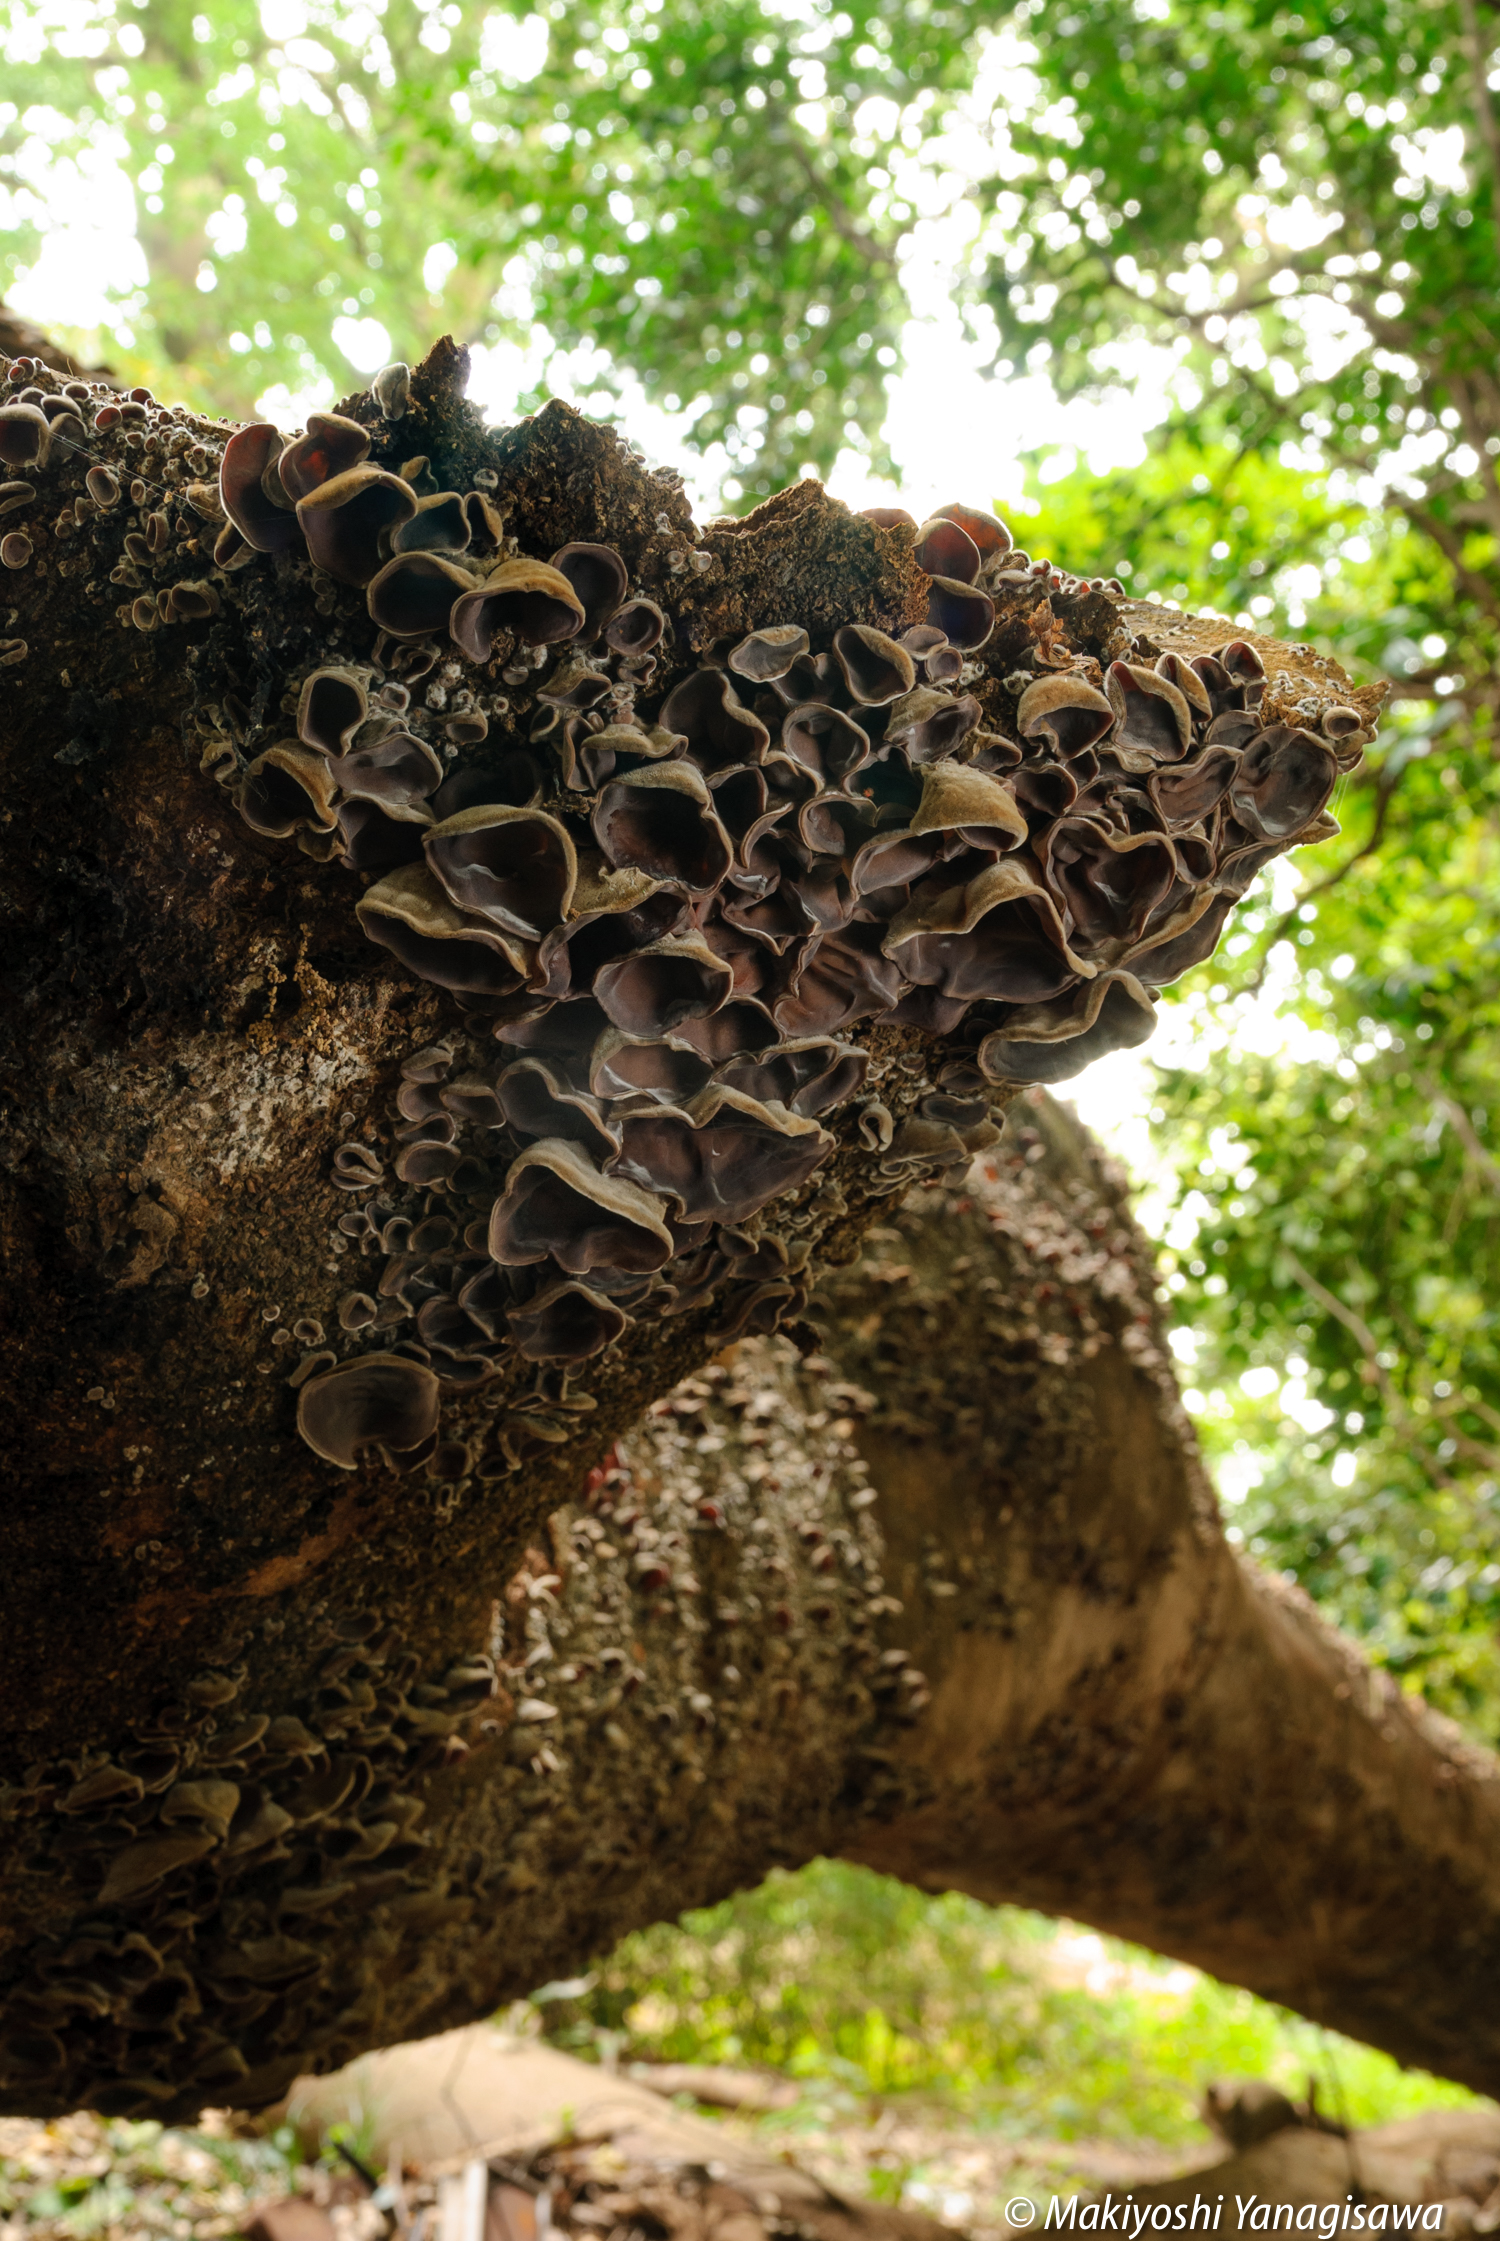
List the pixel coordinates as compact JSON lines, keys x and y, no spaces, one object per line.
{"x":264,"y":1800}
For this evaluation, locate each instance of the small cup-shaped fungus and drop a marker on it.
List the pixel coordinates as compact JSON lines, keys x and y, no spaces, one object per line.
{"x":599,"y":579}
{"x":958,"y":799}
{"x":944,"y":549}
{"x":651,"y":991}
{"x":633,"y":630}
{"x":1284,"y":779}
{"x":1184,"y":793}
{"x":289,"y":785}
{"x":346,"y":520}
{"x":533,"y":602}
{"x":875,"y":668}
{"x":249,"y":453}
{"x":666,"y":1073}
{"x":440,"y":524}
{"x":1109,"y":882}
{"x":990,"y":536}
{"x":557,"y":1204}
{"x":707,"y":709}
{"x":398,"y":770}
{"x":330,"y":710}
{"x":1067,"y":712}
{"x":377,"y":1401}
{"x":928,"y":725}
{"x":25,"y":436}
{"x":566,"y":1321}
{"x":768,"y":654}
{"x":537,"y":1103}
{"x":409,"y":914}
{"x":413,"y":595}
{"x":515,"y":867}
{"x":1153,"y":723}
{"x":1001,"y":935}
{"x":809,"y":1076}
{"x":964,"y":614}
{"x":331,"y":446}
{"x":721,"y":1158}
{"x":826,"y":741}
{"x":660,"y":820}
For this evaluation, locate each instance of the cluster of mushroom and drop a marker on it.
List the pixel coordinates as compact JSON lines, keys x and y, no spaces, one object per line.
{"x":673,"y":920}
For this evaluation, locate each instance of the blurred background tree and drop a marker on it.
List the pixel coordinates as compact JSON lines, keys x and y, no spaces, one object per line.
{"x":1247,"y":257}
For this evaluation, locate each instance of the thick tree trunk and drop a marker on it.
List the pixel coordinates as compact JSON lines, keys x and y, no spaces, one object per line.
{"x":260,"y":1802}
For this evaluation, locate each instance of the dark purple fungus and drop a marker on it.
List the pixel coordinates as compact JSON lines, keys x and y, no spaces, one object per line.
{"x":378,"y":1402}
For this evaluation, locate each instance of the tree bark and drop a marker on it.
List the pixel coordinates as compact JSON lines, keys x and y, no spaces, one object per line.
{"x":262,"y":1801}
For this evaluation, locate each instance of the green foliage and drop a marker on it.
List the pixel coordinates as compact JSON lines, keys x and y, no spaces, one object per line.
{"x":868,"y":1990}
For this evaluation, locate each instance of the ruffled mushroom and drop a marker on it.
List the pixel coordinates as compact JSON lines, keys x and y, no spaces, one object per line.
{"x":810,"y":1075}
{"x":537,"y":1103}
{"x":248,"y":455}
{"x":1069,"y":713}
{"x":398,"y":771}
{"x":289,"y":785}
{"x":566,"y":1321}
{"x":1284,"y":780}
{"x":928,"y":725}
{"x":409,"y":914}
{"x":346,"y":519}
{"x":1185,"y":677}
{"x":707,"y":710}
{"x":1154,"y":723}
{"x":875,"y":668}
{"x":721,"y":1158}
{"x":413,"y":595}
{"x":956,"y":798}
{"x":651,"y":991}
{"x":742,"y":1025}
{"x":332,"y":706}
{"x":556,"y":1203}
{"x":660,"y":820}
{"x":826,"y":741}
{"x":380,"y":1402}
{"x":331,"y":446}
{"x":516,"y":868}
{"x":837,"y":979}
{"x":768,"y":654}
{"x":600,"y":580}
{"x":1109,"y":882}
{"x":1053,"y":1042}
{"x":1184,"y":793}
{"x":668,"y":1073}
{"x":1001,"y":935}
{"x":525,"y":597}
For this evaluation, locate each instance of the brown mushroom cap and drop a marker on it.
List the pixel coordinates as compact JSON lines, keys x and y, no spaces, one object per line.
{"x":1053,"y":1042}
{"x":945,"y":549}
{"x":600,"y":581}
{"x":413,"y":595}
{"x":875,"y":668}
{"x":1001,"y":935}
{"x":332,"y":706}
{"x":660,"y":820}
{"x":566,"y":1321}
{"x":721,"y":1158}
{"x":1067,"y":711}
{"x":536,"y":1102}
{"x":651,"y":991}
{"x":1154,"y":724}
{"x":1110,"y":883}
{"x":517,"y":868}
{"x":287,"y":786}
{"x":964,"y":614}
{"x":929,"y":726}
{"x":375,"y":1401}
{"x":248,"y":455}
{"x":1285,"y":778}
{"x":525,"y":597}
{"x":345,"y":519}
{"x":720,"y":729}
{"x":635,"y":628}
{"x":331,"y":446}
{"x":441,"y":524}
{"x":989,"y":534}
{"x":25,"y":436}
{"x":409,"y":914}
{"x":767,"y":654}
{"x":556,"y":1203}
